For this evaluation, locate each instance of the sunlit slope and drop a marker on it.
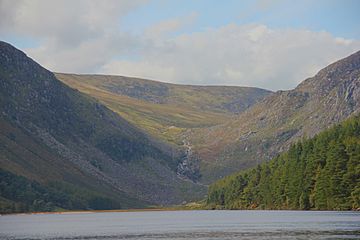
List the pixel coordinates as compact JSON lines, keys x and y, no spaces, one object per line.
{"x":165,"y":110}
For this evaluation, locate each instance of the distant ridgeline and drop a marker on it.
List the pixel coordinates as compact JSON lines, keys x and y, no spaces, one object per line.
{"x":322,"y":173}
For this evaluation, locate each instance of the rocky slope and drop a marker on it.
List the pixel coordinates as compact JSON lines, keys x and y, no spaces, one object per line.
{"x":267,"y":128}
{"x":52,"y":133}
{"x":167,"y":111}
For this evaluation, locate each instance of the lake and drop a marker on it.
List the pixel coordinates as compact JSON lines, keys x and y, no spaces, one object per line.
{"x":183,"y":225}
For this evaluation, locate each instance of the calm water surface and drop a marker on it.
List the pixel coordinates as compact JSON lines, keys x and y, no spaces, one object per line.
{"x":183,"y":225}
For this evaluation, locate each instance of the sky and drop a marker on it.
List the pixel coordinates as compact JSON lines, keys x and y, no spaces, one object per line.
{"x":271,"y":44}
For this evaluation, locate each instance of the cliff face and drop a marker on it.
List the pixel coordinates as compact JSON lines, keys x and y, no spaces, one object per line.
{"x":268,"y":127}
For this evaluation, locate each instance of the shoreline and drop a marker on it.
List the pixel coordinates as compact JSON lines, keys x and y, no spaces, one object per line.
{"x":100,"y":211}
{"x":163,"y":210}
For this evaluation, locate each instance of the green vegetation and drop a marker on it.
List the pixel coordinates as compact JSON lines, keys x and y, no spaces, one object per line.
{"x":321,"y":173}
{"x":19,"y":194}
{"x":165,"y":110}
{"x":63,"y":149}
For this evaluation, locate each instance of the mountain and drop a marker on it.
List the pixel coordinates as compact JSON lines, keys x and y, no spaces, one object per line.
{"x":56,"y":139}
{"x":105,"y":142}
{"x":322,"y":173}
{"x":270,"y":126}
{"x":165,"y":110}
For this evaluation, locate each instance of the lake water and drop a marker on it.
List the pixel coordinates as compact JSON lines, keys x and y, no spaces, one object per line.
{"x":183,"y":225}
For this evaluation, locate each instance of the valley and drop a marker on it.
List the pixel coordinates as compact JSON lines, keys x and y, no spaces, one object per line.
{"x":166,"y":110}
{"x":113,"y":142}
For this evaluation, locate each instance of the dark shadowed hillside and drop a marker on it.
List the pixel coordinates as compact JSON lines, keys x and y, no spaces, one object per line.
{"x":70,"y":143}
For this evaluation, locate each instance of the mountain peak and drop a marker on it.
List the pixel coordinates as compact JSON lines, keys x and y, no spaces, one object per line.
{"x":345,"y":69}
{"x":51,"y":132}
{"x":11,"y":55}
{"x":270,"y":126}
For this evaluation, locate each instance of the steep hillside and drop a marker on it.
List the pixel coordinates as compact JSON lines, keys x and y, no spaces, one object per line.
{"x":57,"y":136}
{"x":269,"y":127}
{"x":162,"y":109}
{"x":321,"y":173}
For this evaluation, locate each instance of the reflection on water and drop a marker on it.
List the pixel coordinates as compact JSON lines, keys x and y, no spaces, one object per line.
{"x":184,"y":225}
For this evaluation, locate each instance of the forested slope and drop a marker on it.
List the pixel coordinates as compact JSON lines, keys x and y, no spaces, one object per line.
{"x":321,"y":173}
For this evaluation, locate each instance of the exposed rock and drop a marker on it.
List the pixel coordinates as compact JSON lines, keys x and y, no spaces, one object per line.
{"x":280,"y":119}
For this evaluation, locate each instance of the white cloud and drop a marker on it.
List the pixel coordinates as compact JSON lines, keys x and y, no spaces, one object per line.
{"x":75,"y":36}
{"x":251,"y":55}
{"x":63,"y":20}
{"x":144,"y":69}
{"x":171,"y":25}
{"x":85,"y":37}
{"x":258,"y":32}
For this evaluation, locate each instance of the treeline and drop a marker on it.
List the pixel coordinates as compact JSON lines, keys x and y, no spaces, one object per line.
{"x":18,"y":194}
{"x":322,"y":173}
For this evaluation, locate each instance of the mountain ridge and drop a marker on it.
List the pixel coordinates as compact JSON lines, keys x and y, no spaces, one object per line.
{"x":269,"y":127}
{"x":164,"y":110}
{"x":132,"y":143}
{"x":71,"y":128}
{"x":155,"y":81}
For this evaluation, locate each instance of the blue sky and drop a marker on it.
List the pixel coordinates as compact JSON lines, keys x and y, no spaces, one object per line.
{"x":340,"y":18}
{"x":263,"y":43}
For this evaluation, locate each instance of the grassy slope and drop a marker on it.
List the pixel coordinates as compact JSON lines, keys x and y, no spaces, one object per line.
{"x":26,"y":156}
{"x":165,"y":110}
